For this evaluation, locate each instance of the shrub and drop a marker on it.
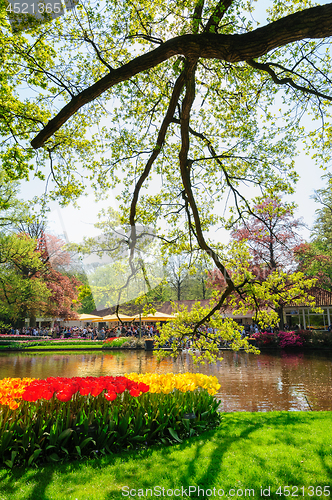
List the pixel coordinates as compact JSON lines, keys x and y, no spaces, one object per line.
{"x":266,"y":338}
{"x":130,"y":342}
{"x":316,"y":338}
{"x":289,"y":339}
{"x":281,"y":339}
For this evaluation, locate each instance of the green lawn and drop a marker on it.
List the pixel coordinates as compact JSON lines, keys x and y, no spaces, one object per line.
{"x":65,"y":345}
{"x":51,"y":345}
{"x":248,"y":451}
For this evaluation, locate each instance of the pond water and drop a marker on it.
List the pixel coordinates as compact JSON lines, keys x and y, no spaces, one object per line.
{"x":269,"y":381}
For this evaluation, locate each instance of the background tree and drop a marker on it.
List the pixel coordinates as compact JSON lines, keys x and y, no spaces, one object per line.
{"x":270,"y":234}
{"x":62,"y":284}
{"x":195,"y":284}
{"x":322,"y":229}
{"x":22,"y":292}
{"x":264,"y":298}
{"x":85,"y":297}
{"x":313,"y":262}
{"x":315,"y":257}
{"x":61,"y":299}
{"x":12,"y":210}
{"x":177,"y":275}
{"x":115,"y":273}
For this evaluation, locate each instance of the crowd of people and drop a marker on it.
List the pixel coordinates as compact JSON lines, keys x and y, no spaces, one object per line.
{"x":104,"y":332}
{"x":88,"y":332}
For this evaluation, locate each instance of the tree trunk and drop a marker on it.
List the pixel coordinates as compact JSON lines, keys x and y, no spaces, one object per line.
{"x":203,"y":288}
{"x":32,"y":321}
{"x":280,"y":312}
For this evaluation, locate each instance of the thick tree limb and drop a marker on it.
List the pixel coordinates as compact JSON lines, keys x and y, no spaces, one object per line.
{"x":315,"y":22}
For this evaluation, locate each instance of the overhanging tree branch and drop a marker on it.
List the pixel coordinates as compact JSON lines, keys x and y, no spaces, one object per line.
{"x":283,"y":81}
{"x":315,"y":22}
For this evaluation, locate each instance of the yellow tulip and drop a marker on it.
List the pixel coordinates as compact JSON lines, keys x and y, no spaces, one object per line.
{"x":165,"y":383}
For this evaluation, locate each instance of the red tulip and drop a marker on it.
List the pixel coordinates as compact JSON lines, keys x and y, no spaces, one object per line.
{"x":110,"y":387}
{"x":48,"y":394}
{"x":55,"y":382}
{"x":63,"y":396}
{"x":30,"y":396}
{"x":110,"y":396}
{"x":143,"y":387}
{"x":134,"y":392}
{"x":96,"y":390}
{"x":119,"y":388}
{"x":65,"y":387}
{"x":84,"y":390}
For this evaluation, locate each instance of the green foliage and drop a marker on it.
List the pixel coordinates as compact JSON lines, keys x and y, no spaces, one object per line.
{"x":21,"y":290}
{"x":205,"y":345}
{"x":265,"y":298}
{"x":321,"y":232}
{"x":12,"y":210}
{"x":277,"y":291}
{"x":315,"y":258}
{"x":86,"y":299}
{"x":232,"y":92}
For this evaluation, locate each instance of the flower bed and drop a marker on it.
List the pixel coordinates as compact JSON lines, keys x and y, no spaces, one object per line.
{"x":289,"y":339}
{"x":60,"y":418}
{"x":10,"y":336}
{"x":292,"y":339}
{"x":114,"y":342}
{"x":266,"y":339}
{"x":124,"y":343}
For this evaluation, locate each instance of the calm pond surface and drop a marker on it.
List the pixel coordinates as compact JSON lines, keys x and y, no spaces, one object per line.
{"x":269,"y":381}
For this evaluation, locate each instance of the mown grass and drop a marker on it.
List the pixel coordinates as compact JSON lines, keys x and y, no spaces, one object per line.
{"x":50,"y":345}
{"x":247,"y":451}
{"x":65,"y":345}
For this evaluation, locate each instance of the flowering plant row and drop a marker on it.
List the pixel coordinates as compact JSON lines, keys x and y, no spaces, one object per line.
{"x":280,"y":339}
{"x":65,"y":388}
{"x":13,"y":390}
{"x":300,"y":338}
{"x":58,"y":418}
{"x":110,"y":339}
{"x":166,"y":383}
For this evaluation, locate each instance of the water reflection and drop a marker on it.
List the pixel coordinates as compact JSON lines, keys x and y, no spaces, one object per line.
{"x":271,"y":381}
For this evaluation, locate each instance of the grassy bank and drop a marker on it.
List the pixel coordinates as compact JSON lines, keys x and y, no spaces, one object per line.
{"x":248,"y":451}
{"x":72,"y":344}
{"x":49,"y":345}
